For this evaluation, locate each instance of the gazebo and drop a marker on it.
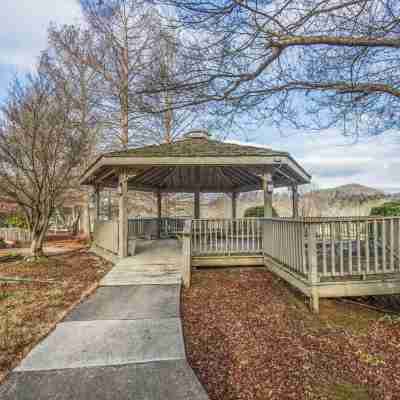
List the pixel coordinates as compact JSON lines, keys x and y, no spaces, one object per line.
{"x":194,"y":164}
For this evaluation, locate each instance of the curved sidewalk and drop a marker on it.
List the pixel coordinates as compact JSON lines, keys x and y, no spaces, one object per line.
{"x":124,"y":342}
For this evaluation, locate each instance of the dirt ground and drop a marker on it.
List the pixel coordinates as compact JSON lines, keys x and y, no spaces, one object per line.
{"x":53,"y":245}
{"x":35,"y":296}
{"x":249,"y":336}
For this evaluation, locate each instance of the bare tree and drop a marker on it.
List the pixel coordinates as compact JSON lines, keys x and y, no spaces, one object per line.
{"x":82,"y":85}
{"x":42,"y":142}
{"x":130,"y":46}
{"x":313,"y":63}
{"x":117,"y":46}
{"x":162,"y":122}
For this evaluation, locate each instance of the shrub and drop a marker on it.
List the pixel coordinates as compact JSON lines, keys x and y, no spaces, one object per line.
{"x":389,"y":209}
{"x":258,"y":212}
{"x":16,"y":221}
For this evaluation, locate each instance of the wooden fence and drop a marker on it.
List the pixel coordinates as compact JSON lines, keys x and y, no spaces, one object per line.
{"x":227,"y":236}
{"x":106,"y":235}
{"x":15,"y":234}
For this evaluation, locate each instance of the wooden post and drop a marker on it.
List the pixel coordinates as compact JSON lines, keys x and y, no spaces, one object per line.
{"x":234,"y":202}
{"x":159,"y":213}
{"x":197,"y":204}
{"x":268,"y":188}
{"x":80,"y":221}
{"x":86,"y":219}
{"x":109,"y":206}
{"x":96,"y":204}
{"x":295,"y":202}
{"x":313,"y":265}
{"x":187,"y":253}
{"x":123,"y":217}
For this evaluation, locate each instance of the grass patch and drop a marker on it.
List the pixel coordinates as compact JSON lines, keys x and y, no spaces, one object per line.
{"x":347,"y":391}
{"x":351,"y":317}
{"x":4,"y":296}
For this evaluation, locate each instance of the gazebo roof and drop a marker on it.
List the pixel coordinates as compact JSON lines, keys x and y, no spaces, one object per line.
{"x":195,"y":147}
{"x":195,"y":162}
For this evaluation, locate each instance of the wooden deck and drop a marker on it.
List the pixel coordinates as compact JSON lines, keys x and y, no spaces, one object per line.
{"x":321,"y":257}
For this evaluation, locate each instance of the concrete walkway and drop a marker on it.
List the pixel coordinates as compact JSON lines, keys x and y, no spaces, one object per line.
{"x":124,"y":342}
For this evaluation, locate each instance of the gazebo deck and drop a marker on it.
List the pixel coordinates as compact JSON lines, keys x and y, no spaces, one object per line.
{"x":321,"y":257}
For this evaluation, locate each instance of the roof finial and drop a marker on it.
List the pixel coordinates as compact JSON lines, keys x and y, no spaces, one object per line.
{"x":197,"y":134}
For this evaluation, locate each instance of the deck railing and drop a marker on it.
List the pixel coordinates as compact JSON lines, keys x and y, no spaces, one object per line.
{"x":138,"y":227}
{"x":338,"y":247}
{"x":148,"y":227}
{"x":172,"y":226}
{"x":335,"y":257}
{"x":285,"y":241}
{"x":106,"y":235}
{"x":227,"y":236}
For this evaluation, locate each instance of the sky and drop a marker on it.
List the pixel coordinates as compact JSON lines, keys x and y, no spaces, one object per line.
{"x":331,"y":158}
{"x":335,"y":160}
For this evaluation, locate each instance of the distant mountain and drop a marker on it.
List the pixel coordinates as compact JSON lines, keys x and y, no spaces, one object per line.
{"x":352,"y":190}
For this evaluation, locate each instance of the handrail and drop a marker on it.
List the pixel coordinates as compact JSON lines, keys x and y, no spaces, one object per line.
{"x":338,"y":247}
{"x":225,"y":237}
{"x":150,"y":226}
{"x":330,"y":219}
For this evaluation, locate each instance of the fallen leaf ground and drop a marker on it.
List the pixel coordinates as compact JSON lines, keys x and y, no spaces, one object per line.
{"x":29,"y":310}
{"x":250,"y":337}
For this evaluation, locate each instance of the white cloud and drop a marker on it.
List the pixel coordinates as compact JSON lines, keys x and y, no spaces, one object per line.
{"x":24,"y":24}
{"x":334,"y":160}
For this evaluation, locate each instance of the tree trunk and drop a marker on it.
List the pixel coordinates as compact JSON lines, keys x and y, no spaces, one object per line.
{"x":37,"y":244}
{"x":38,"y":236}
{"x":124,"y":94}
{"x":75,"y":224}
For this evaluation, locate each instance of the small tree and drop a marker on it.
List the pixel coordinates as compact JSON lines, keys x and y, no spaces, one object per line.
{"x":41,"y":146}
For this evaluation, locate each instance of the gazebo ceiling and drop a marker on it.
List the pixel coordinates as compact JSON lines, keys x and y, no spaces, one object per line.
{"x":195,"y":163}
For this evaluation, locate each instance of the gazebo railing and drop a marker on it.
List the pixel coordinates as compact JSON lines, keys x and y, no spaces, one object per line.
{"x":138,"y":227}
{"x":172,"y":226}
{"x":148,"y":227}
{"x":226,"y":236}
{"x":106,"y":235}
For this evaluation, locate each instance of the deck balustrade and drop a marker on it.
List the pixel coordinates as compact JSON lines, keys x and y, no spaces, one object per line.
{"x":339,"y":247}
{"x":334,"y":257}
{"x":148,"y":227}
{"x":106,"y":235}
{"x":227,"y":236}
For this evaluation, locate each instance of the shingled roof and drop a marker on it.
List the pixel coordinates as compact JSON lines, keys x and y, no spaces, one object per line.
{"x":194,"y":162}
{"x":195,"y":146}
